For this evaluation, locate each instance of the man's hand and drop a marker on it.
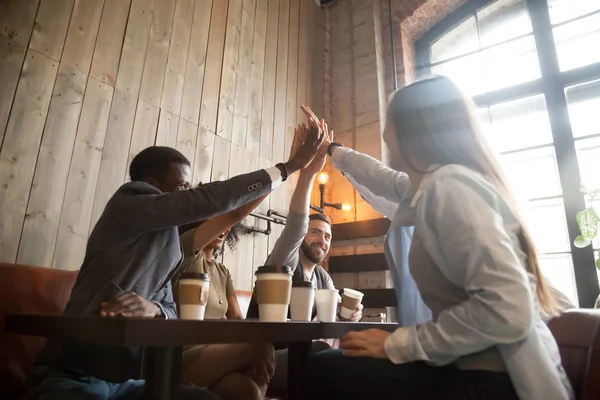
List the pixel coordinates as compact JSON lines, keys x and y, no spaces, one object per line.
{"x":367,"y":343}
{"x":304,"y":149}
{"x":129,"y":304}
{"x":358,"y":314}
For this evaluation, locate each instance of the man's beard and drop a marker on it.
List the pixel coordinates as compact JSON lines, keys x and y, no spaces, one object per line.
{"x":310,"y":253}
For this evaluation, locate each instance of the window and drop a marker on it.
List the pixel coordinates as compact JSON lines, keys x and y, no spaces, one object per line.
{"x":533,"y":69}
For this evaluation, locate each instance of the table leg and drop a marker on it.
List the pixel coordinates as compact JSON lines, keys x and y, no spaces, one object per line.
{"x":163,"y":371}
{"x":297,"y":357}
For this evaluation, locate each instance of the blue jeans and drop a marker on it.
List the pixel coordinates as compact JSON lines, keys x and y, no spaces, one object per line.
{"x":45,"y":383}
{"x":332,"y":375}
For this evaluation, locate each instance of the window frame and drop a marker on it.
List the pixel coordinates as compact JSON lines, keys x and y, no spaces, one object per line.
{"x":552,"y":85}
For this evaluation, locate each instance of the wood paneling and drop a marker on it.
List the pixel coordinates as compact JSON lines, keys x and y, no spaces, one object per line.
{"x":158,"y":50}
{"x":214,"y":66}
{"x":168,"y":124}
{"x":12,"y":54}
{"x":379,"y":298}
{"x":360,"y":229}
{"x":50,"y":28}
{"x":83,"y":175}
{"x":144,"y":130}
{"x":220,"y":80}
{"x":81,"y":37}
{"x":109,"y":42}
{"x":113,"y":167}
{"x":186,"y":139}
{"x":243,"y":70}
{"x":21,"y":145}
{"x":268,"y":97}
{"x":135,"y":45}
{"x":229,"y":71}
{"x":196,"y":62}
{"x":256,"y":77}
{"x":16,"y":19}
{"x":178,"y":54}
{"x":52,"y":169}
{"x":203,"y":159}
{"x":357,"y":263}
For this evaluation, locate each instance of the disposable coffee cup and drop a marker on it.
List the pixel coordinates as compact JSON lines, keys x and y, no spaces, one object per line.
{"x":302,"y":301}
{"x":326,"y":300}
{"x":193,"y":295}
{"x":273,"y":291}
{"x":351,"y":299}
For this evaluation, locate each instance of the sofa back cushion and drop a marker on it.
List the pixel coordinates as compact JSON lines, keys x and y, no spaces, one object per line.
{"x":577,"y":333}
{"x":27,"y":290}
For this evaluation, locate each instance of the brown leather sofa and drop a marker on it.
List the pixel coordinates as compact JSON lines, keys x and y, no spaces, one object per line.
{"x":35,"y":290}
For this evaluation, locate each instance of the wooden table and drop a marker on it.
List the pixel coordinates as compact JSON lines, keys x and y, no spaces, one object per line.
{"x":163,"y":340}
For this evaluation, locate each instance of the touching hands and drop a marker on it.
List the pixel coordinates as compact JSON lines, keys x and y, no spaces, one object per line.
{"x":367,"y":343}
{"x":314,"y":121}
{"x":305,"y":146}
{"x":129,"y":304}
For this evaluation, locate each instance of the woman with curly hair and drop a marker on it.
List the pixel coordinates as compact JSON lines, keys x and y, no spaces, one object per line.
{"x":234,"y":371}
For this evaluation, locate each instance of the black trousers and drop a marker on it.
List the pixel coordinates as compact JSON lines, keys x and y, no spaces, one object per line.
{"x":332,"y":375}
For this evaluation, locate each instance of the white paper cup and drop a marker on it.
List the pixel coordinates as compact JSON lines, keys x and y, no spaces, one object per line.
{"x":193,"y":295}
{"x":273,"y":290}
{"x":326,"y":300}
{"x":302,"y":302}
{"x":350,"y":297}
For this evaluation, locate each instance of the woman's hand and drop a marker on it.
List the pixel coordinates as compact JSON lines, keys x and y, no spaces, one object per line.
{"x":262,"y":363}
{"x":367,"y":343}
{"x":314,"y":121}
{"x":305,"y":146}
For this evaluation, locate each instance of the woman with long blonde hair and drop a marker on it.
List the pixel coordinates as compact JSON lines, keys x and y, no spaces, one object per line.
{"x":471,"y":294}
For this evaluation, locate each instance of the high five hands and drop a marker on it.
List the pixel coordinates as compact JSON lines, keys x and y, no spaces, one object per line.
{"x":316,"y":123}
{"x":305,"y":146}
{"x":317,"y":164}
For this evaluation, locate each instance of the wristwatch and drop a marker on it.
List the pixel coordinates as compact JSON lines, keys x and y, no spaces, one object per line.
{"x":283,"y":169}
{"x":331,"y":146}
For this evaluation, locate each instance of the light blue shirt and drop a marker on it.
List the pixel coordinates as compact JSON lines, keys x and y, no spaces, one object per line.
{"x":471,"y":234}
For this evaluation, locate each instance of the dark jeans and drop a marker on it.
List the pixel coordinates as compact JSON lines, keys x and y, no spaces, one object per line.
{"x":48,"y":384}
{"x":331,"y":375}
{"x":279,"y":381}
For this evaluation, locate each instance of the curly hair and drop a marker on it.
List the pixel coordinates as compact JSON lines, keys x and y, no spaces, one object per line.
{"x":233,"y":238}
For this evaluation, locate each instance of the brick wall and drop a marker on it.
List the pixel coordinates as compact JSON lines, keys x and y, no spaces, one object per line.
{"x":358,"y":83}
{"x":359,"y":79}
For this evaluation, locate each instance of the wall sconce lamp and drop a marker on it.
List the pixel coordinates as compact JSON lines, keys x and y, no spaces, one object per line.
{"x":322,"y":179}
{"x":273,"y":217}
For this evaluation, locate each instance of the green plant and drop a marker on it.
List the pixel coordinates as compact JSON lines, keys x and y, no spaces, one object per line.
{"x":588,"y":222}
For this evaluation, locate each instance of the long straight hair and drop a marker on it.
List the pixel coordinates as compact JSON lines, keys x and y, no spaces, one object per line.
{"x":435,"y":123}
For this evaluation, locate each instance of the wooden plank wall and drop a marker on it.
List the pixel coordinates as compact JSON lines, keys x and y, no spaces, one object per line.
{"x":87,"y":84}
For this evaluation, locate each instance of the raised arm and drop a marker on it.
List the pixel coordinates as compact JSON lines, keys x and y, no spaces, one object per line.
{"x":380,"y":180}
{"x":286,"y":249}
{"x":151,"y":212}
{"x":214,"y":227}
